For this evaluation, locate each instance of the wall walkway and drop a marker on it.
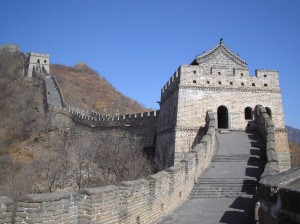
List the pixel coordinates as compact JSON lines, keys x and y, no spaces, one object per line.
{"x":225,"y":192}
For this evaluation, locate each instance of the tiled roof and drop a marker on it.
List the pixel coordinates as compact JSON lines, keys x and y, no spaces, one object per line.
{"x":220,"y":46}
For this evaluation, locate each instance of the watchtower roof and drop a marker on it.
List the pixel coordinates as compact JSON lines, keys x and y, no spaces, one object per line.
{"x":219,"y":48}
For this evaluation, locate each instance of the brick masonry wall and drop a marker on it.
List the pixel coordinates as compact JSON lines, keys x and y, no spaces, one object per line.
{"x":217,"y":78}
{"x":139,"y":201}
{"x":58,"y":207}
{"x":193,"y":104}
{"x":6,"y":210}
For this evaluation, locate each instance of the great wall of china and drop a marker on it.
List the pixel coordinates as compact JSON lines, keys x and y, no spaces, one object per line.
{"x":152,"y":199}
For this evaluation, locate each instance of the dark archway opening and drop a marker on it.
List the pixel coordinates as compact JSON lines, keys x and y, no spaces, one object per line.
{"x":222,"y":117}
{"x":248,"y":113}
{"x":269,"y":112}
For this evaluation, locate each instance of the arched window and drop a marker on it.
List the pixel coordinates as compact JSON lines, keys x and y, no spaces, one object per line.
{"x":269,"y":112}
{"x":38,"y":61}
{"x":248,"y":113}
{"x":222,"y":117}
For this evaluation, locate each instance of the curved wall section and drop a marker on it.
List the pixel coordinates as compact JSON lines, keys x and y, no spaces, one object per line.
{"x":139,"y":201}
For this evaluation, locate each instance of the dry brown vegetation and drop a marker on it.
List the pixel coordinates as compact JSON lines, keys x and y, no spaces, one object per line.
{"x":38,"y":156}
{"x":295,"y":154}
{"x":85,"y":88}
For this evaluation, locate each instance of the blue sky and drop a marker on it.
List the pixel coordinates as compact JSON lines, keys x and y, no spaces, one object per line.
{"x":138,"y":44}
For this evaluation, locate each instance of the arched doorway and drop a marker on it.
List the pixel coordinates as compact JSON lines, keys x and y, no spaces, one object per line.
{"x":222,"y":117}
{"x":248,"y":113}
{"x":269,"y":112}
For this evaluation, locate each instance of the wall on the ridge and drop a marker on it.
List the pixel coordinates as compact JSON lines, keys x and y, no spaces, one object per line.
{"x":140,"y":201}
{"x":137,"y":136}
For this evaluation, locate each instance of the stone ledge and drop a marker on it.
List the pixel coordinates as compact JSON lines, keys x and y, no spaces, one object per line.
{"x":44,"y":197}
{"x":175,"y":168}
{"x":159,"y":175}
{"x":99,"y":190}
{"x":134,"y":183}
{"x":5,"y":200}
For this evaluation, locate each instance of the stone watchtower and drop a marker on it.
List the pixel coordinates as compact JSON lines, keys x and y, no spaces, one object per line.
{"x":38,"y":60}
{"x":217,"y":81}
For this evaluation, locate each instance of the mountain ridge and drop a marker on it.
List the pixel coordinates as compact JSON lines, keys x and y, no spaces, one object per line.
{"x":85,"y":88}
{"x":293,"y":134}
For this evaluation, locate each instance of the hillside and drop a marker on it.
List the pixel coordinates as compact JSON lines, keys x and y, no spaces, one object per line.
{"x":32,"y":145}
{"x":294,"y":143}
{"x":293,"y":134}
{"x":85,"y":88}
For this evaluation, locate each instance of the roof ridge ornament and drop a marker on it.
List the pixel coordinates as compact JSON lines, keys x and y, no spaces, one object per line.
{"x":221,"y":41}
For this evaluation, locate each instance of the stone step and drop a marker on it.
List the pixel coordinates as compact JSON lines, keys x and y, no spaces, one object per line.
{"x":207,"y":187}
{"x":221,"y":195}
{"x":227,"y":180}
{"x":224,"y":187}
{"x":229,"y":158}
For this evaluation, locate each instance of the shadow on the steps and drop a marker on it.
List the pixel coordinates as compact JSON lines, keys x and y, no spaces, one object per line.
{"x":245,"y":215}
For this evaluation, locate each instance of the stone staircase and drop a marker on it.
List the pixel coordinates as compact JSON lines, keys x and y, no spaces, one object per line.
{"x":52,"y":92}
{"x":224,"y":193}
{"x":223,"y":188}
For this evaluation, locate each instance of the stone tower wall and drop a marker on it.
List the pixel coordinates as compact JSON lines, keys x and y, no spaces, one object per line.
{"x":37,"y":60}
{"x":216,"y":78}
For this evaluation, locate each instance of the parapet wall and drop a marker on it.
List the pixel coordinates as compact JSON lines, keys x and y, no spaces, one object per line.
{"x":98,"y":120}
{"x":277,"y":193}
{"x":140,"y":201}
{"x":277,"y":150}
{"x":279,"y":198}
{"x":170,"y":86}
{"x":266,"y":129}
{"x":195,"y":76}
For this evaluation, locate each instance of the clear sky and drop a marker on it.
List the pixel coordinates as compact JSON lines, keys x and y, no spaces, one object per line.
{"x":138,"y":44}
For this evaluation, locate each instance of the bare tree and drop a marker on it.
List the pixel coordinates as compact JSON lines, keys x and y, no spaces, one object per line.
{"x":82,"y":156}
{"x":120,"y":158}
